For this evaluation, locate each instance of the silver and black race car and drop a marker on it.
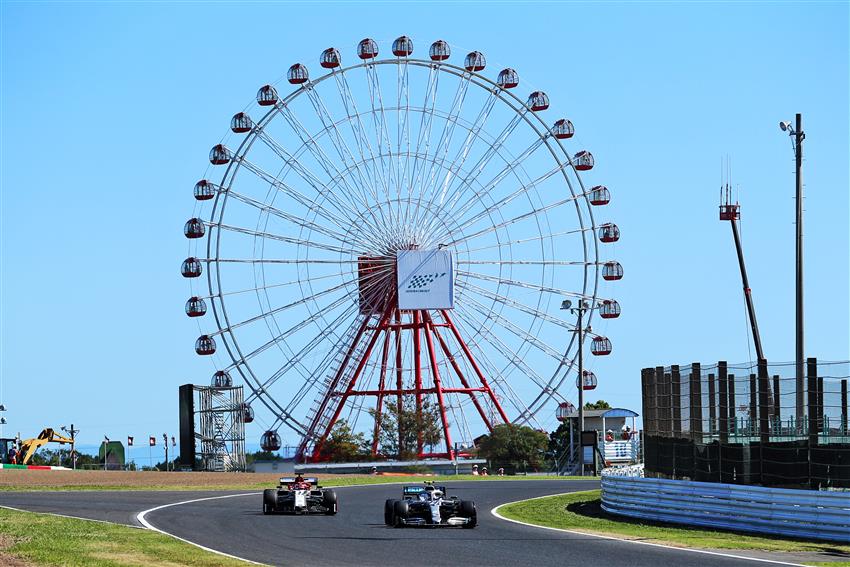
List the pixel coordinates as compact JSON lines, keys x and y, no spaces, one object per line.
{"x":299,"y":496}
{"x":428,"y":505}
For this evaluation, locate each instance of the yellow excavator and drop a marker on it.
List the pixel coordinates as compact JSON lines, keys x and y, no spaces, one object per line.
{"x":30,"y":446}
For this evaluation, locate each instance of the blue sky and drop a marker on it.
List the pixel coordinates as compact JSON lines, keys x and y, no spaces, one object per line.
{"x":109,"y":110}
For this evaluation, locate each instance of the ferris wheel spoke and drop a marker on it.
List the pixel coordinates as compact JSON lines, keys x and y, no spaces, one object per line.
{"x":402,"y":125}
{"x":517,"y":331}
{"x":270,"y":286}
{"x":292,"y":160}
{"x":358,"y":129}
{"x":523,"y":262}
{"x":524,"y":188}
{"x":515,"y":304}
{"x":492,"y":150}
{"x":510,"y":167}
{"x":281,"y":309}
{"x":526,"y":285}
{"x":508,"y":353}
{"x":471,"y":137}
{"x":547,"y":390}
{"x":379,"y":120}
{"x":426,"y":122}
{"x":320,"y":156}
{"x":341,"y":147}
{"x":278,"y":260}
{"x":530,"y":214}
{"x":296,"y":220}
{"x":294,"y":329}
{"x":313,"y":377}
{"x":305,"y":201}
{"x":495,"y":374}
{"x":444,"y":142}
{"x":286,"y":239}
{"x":551,"y":237}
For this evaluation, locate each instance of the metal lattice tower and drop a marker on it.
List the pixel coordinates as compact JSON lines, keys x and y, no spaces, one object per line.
{"x":219,"y":428}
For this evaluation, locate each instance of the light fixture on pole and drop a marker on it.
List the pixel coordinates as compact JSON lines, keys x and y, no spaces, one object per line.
{"x":797,"y":136}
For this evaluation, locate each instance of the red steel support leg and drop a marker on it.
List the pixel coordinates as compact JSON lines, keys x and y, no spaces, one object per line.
{"x":478,"y":372}
{"x":381,"y":326}
{"x":380,"y":402}
{"x":417,"y":372}
{"x":399,"y":374}
{"x":436,"y":374}
{"x":459,"y":373}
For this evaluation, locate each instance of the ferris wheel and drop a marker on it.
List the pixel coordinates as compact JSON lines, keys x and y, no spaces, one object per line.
{"x":397,"y":232}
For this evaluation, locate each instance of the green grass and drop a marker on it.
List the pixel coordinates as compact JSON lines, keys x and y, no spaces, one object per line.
{"x":42,"y":539}
{"x":581,"y":511}
{"x":249,"y":485}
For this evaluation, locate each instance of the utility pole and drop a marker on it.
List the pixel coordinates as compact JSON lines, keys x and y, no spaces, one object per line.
{"x":579,"y":311}
{"x":165,"y":442}
{"x":798,"y":136}
{"x":72,"y":432}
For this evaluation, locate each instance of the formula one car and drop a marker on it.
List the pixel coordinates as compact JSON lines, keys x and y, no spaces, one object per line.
{"x":429,"y":506}
{"x":299,"y":495}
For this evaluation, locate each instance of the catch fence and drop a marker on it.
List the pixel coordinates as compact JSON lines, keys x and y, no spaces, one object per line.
{"x":748,"y":423}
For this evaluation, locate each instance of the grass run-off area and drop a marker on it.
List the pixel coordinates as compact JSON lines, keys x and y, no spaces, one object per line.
{"x":27,"y":480}
{"x":28,"y":538}
{"x":581,"y":511}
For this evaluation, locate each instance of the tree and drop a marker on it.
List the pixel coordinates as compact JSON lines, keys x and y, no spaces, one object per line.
{"x":344,"y":445}
{"x":559,"y":440}
{"x":598,"y":404}
{"x":517,"y":445}
{"x":400,"y":430}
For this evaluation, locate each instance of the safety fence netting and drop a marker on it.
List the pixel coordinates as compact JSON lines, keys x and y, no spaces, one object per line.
{"x":770,"y":424}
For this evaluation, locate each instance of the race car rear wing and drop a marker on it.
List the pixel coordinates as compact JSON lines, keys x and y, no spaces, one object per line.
{"x":415,"y":490}
{"x":291,"y":480}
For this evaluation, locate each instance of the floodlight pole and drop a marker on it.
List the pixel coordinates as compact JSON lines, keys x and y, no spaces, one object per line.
{"x":580,"y":310}
{"x":799,"y":136}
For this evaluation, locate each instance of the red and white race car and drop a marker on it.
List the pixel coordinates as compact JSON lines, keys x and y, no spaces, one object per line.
{"x":299,"y":495}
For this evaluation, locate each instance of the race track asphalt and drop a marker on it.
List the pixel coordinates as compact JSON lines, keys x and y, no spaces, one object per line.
{"x":357,"y":534}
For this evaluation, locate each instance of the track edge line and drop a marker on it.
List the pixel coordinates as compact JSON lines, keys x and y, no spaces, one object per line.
{"x":495,"y":512}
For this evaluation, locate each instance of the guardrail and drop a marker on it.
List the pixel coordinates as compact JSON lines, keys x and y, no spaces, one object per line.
{"x":798,"y":513}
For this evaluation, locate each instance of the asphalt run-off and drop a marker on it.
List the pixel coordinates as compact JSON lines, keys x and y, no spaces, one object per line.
{"x":232,"y":522}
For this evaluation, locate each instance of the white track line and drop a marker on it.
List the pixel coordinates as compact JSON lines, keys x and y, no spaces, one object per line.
{"x":141,"y":519}
{"x":72,"y":517}
{"x":495,"y":512}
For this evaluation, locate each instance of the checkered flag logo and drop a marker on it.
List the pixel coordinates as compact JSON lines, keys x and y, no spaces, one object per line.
{"x":423,"y":280}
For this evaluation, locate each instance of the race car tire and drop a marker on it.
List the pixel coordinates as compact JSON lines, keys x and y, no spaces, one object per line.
{"x":330,"y":502}
{"x":400,"y":511}
{"x":468,"y":510}
{"x":389,"y":512}
{"x":269,"y":500}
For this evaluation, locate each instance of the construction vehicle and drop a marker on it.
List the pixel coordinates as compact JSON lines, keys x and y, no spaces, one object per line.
{"x":30,"y":446}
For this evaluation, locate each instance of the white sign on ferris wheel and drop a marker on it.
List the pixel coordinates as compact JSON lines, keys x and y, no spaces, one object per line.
{"x":425,"y":279}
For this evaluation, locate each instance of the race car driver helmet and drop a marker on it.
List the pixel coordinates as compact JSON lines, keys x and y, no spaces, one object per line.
{"x":436,"y":494}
